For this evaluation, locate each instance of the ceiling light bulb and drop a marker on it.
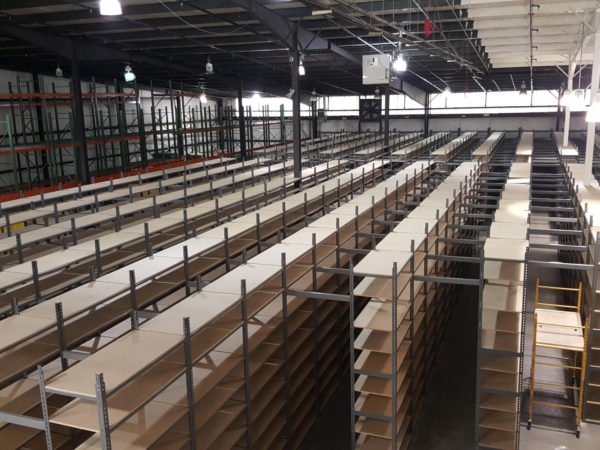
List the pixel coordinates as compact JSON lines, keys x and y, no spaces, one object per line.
{"x":523,"y":89}
{"x":209,"y":66}
{"x":129,"y":75}
{"x":59,"y":72}
{"x":301,"y":70}
{"x":110,"y":8}
{"x":399,"y":64}
{"x":203,"y":98}
{"x":446,"y":92}
{"x":256,"y":96}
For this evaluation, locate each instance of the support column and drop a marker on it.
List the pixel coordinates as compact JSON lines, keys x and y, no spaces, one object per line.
{"x":39,"y":113}
{"x":79,"y":124}
{"x":426,"y":116}
{"x":567,"y":109}
{"x":591,"y":129}
{"x":242,"y":121}
{"x":314,"y":122}
{"x":386,"y":135}
{"x":296,"y":123}
{"x":179,"y":128}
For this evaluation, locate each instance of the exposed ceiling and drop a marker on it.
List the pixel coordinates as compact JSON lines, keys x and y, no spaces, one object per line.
{"x":475,"y":44}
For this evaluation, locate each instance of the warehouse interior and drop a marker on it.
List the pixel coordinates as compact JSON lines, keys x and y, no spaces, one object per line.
{"x":299,"y":224}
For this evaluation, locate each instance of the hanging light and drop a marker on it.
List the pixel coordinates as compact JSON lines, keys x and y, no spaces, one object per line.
{"x":523,"y":89}
{"x":59,"y":72}
{"x":203,"y":98}
{"x":209,"y":66}
{"x":301,"y":69}
{"x":129,"y":75}
{"x":377,"y":92}
{"x":256,"y":96}
{"x":593,"y":114}
{"x":446,"y":93}
{"x":313,"y":96}
{"x":399,"y":64}
{"x":110,"y":8}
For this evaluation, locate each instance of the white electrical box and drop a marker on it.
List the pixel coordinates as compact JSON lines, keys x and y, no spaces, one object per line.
{"x":376,"y":68}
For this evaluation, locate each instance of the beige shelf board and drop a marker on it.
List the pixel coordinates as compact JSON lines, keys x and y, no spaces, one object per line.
{"x":380,"y":263}
{"x":493,"y":319}
{"x":15,"y":329}
{"x":401,"y":242}
{"x":500,"y":363}
{"x":499,"y":340}
{"x":51,"y":262}
{"x":497,"y":420}
{"x":233,"y":229}
{"x":146,"y":268}
{"x":201,"y":308}
{"x":501,"y":440}
{"x":380,"y":341}
{"x":142,"y":430}
{"x":195,"y":246}
{"x":254,"y":274}
{"x":511,"y":216}
{"x":559,"y":329}
{"x":503,"y":272}
{"x":426,"y":212}
{"x":503,"y":230}
{"x":377,"y":315}
{"x":304,"y":236}
{"x":34,"y":320}
{"x":508,"y":382}
{"x":503,"y":297}
{"x":498,"y":402}
{"x":272,"y":256}
{"x":83,"y":414}
{"x":516,"y":191}
{"x":514,"y":204}
{"x":111,"y":240}
{"x":375,"y":362}
{"x":12,"y":278}
{"x":77,"y":300}
{"x":505,"y":249}
{"x":122,"y":359}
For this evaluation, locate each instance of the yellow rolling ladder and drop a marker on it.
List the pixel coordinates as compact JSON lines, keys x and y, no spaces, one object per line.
{"x":559,"y":327}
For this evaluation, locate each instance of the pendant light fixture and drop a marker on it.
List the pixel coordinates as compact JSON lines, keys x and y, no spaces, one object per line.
{"x":110,"y":8}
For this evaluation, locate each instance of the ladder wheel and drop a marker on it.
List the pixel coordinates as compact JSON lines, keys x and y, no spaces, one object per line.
{"x":577,"y":433}
{"x":529,"y":424}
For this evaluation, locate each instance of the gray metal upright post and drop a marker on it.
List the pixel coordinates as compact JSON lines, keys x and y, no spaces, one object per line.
{"x":296,"y":122}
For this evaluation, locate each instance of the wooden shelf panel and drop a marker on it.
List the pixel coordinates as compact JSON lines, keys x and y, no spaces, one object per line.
{"x":495,"y":439}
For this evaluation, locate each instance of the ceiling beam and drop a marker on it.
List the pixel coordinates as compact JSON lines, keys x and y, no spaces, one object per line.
{"x":284,"y":30}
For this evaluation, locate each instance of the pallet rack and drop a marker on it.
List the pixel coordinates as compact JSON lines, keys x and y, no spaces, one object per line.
{"x":124,"y":136}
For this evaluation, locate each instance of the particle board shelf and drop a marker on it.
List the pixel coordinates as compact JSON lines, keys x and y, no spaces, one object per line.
{"x":498,"y":420}
{"x":497,"y":439}
{"x":378,"y":404}
{"x":498,"y":403}
{"x":499,"y":381}
{"x":500,"y":363}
